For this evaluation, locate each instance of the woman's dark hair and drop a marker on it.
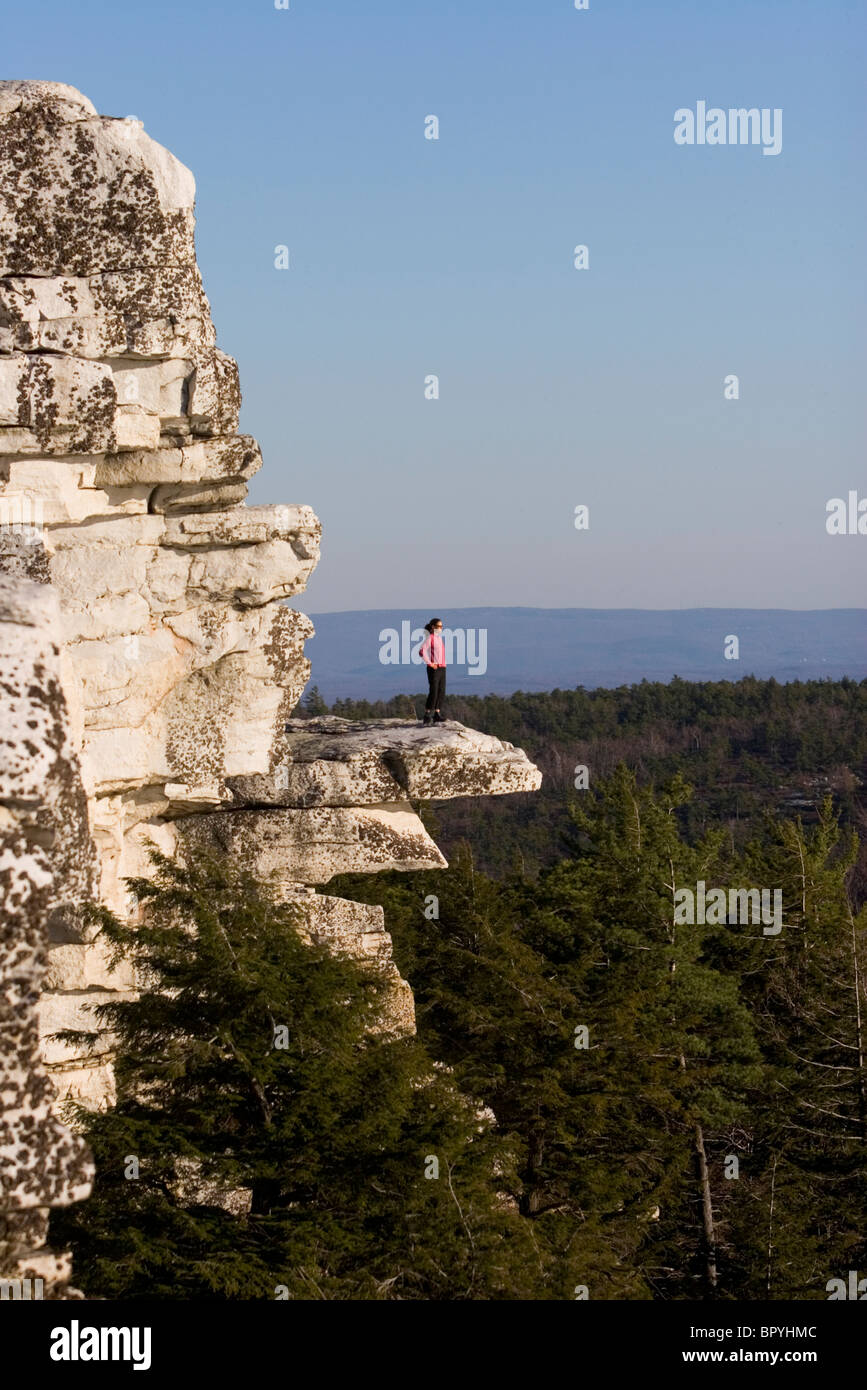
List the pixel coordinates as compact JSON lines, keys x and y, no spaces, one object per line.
{"x":429,"y":627}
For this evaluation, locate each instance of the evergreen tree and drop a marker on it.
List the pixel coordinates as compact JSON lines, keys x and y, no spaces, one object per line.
{"x":313,"y":704}
{"x":256,"y":1065}
{"x":618,"y":1127}
{"x":489,"y":1003}
{"x":808,"y":1193}
{"x":676,"y":1047}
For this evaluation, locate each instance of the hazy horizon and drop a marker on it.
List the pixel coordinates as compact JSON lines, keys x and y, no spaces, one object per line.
{"x":372,"y":653}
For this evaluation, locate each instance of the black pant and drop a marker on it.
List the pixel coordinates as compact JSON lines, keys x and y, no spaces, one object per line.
{"x":436,"y":696}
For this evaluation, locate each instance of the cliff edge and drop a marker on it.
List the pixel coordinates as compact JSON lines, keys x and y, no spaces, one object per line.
{"x":147,"y":602}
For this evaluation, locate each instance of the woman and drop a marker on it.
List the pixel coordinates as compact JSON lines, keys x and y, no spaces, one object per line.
{"x":433,"y":653}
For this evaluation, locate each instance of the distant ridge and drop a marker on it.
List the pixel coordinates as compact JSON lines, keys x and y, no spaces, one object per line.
{"x":548,"y":648}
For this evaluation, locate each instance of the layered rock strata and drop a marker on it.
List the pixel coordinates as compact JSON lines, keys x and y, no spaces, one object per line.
{"x":123,"y":479}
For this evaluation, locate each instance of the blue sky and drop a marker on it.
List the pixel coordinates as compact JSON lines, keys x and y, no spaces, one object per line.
{"x":558,"y":387}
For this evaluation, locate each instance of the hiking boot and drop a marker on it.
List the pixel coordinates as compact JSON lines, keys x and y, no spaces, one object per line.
{"x":426,"y":720}
{"x":438,"y":718}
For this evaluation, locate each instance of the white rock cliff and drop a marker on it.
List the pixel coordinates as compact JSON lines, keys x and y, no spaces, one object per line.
{"x":123,"y":481}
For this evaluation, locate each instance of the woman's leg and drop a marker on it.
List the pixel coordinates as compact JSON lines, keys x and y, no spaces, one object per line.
{"x":441,"y":691}
{"x":430,"y":704}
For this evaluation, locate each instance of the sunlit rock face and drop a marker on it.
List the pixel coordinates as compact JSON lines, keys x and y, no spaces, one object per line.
{"x":123,"y":481}
{"x":47,"y":871}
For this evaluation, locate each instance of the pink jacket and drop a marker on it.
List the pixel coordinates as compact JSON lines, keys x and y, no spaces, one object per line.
{"x":433,"y":650}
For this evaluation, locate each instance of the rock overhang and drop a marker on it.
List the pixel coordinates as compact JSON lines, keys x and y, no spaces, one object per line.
{"x":339,"y":762}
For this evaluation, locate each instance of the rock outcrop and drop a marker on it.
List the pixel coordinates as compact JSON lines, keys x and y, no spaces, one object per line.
{"x":123,"y":480}
{"x":47,"y":871}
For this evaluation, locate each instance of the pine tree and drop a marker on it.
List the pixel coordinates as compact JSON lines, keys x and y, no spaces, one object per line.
{"x":807,"y":1197}
{"x":619,"y":1128}
{"x":676,"y":1048}
{"x":255,"y":1065}
{"x":313,"y":703}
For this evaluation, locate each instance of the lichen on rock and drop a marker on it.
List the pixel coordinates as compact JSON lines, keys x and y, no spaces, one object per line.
{"x":47,"y":871}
